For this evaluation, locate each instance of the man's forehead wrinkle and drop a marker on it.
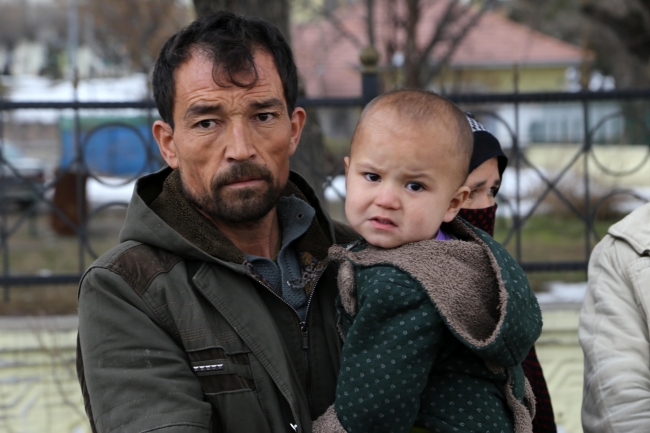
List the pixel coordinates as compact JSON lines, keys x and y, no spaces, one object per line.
{"x":267,"y":103}
{"x":202,"y":108}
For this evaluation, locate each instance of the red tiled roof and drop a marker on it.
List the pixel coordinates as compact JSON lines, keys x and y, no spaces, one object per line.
{"x":328,"y":61}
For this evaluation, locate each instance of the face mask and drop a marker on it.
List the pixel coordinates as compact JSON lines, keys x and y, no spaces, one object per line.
{"x":481,"y":218}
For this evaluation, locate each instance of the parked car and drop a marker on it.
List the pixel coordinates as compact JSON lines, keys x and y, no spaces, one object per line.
{"x":21,"y":177}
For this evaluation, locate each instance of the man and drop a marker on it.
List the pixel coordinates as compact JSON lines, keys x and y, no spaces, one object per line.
{"x":216,"y":311}
{"x":613,"y":331}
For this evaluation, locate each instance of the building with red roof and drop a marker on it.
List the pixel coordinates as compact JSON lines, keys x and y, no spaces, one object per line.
{"x":327,"y":53}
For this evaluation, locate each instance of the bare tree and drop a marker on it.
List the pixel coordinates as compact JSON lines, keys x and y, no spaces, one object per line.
{"x":629,"y":20}
{"x":424,"y":58}
{"x":124,"y":29}
{"x":617,"y":31}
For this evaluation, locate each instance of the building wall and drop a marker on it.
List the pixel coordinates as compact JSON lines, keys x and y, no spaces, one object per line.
{"x":502,"y":79}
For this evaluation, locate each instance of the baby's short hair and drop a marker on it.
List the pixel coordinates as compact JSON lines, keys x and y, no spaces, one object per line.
{"x":428,"y":109}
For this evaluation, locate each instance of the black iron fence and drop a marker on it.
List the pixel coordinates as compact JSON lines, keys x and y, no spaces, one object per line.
{"x":596,"y":166}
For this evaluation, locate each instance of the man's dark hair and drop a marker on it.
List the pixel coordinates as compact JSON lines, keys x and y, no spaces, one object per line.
{"x":230,"y":41}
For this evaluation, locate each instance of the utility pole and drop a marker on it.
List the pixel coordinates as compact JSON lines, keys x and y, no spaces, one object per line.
{"x":73,"y":42}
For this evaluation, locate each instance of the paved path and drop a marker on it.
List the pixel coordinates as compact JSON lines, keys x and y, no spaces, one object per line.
{"x":39,"y":392}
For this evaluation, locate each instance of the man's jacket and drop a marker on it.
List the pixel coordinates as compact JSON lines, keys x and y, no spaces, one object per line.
{"x":178,"y":334}
{"x":615,"y":330}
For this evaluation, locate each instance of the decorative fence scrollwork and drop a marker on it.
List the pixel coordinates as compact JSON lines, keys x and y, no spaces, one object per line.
{"x":579,"y":169}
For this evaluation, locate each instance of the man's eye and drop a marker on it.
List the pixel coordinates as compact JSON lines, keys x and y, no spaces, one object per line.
{"x":493,"y":192}
{"x":414,"y":186}
{"x":205,"y":124}
{"x":372,"y":177}
{"x":472,"y":195}
{"x":265,"y":117}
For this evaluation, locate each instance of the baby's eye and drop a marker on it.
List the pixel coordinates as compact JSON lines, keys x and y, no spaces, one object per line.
{"x":372,"y":177}
{"x":414,"y":186}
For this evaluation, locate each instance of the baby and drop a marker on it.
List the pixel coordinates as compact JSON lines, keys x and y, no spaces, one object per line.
{"x":436,"y":316}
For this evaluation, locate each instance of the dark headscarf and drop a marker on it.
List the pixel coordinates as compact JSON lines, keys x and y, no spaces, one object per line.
{"x":486,"y":146}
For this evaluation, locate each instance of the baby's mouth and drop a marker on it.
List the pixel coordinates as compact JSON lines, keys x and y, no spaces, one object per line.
{"x":382,"y":222}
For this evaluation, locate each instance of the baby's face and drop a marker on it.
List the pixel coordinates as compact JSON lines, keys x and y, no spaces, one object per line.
{"x":401,"y":184}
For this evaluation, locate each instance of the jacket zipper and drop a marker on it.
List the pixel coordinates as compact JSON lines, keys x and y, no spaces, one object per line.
{"x":303,"y":330}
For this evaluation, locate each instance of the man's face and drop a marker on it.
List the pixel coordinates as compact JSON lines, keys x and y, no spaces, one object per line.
{"x":231,"y":144}
{"x":401,"y":182}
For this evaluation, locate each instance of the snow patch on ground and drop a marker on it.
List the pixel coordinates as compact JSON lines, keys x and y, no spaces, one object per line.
{"x":560,"y":292}
{"x":108,"y":190}
{"x":40,"y":89}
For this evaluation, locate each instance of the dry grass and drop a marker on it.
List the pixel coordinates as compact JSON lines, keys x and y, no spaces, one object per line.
{"x":35,"y":249}
{"x":552,"y":238}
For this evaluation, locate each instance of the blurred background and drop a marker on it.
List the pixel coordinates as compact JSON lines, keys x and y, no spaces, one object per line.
{"x":563,"y":84}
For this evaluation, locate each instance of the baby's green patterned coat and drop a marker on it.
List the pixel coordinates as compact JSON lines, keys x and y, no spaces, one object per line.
{"x":435,"y":333}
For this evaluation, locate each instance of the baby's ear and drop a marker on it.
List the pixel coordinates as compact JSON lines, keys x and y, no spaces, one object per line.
{"x":456,"y":203}
{"x":346,"y":161}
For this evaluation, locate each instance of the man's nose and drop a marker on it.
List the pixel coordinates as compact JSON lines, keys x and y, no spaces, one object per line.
{"x":387,"y":197}
{"x":239,"y":146}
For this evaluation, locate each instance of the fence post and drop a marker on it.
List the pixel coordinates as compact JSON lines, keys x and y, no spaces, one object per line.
{"x":369,"y":58}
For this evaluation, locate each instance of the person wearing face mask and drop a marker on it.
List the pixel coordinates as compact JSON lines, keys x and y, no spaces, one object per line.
{"x":486,"y":169}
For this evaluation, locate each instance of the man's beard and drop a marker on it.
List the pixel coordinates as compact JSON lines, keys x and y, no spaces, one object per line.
{"x":240,"y":206}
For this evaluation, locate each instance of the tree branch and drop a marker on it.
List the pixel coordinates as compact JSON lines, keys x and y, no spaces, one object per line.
{"x":455,"y":42}
{"x":632,"y":28}
{"x":370,"y":21}
{"x":338,"y":25}
{"x":437,"y":36}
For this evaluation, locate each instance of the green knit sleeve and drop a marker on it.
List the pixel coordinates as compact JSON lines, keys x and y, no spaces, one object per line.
{"x":388,"y":353}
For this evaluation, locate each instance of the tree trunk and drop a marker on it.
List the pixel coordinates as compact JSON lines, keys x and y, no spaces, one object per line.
{"x":309,"y":159}
{"x":411,"y":55}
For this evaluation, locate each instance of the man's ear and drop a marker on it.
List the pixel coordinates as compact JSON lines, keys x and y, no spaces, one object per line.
{"x":298,"y":119}
{"x":456,"y":203}
{"x":164,"y":135}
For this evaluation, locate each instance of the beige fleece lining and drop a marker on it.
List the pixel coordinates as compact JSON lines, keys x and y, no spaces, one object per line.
{"x":523,"y":414}
{"x":347,"y":288}
{"x":461,"y":284}
{"x":328,"y":423}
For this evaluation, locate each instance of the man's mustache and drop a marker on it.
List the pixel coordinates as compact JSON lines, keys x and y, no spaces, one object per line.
{"x":242,"y":170}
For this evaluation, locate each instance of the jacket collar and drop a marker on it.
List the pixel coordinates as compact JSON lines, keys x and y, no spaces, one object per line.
{"x":159,"y":215}
{"x":476,"y":286}
{"x":634,"y":229}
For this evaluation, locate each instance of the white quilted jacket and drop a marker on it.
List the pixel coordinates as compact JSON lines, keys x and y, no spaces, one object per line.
{"x":614,"y":330}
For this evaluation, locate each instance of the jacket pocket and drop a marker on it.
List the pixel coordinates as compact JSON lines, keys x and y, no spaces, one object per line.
{"x":237,"y":412}
{"x":229,"y":387}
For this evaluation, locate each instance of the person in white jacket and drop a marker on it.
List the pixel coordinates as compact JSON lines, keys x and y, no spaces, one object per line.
{"x":614,"y":330}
